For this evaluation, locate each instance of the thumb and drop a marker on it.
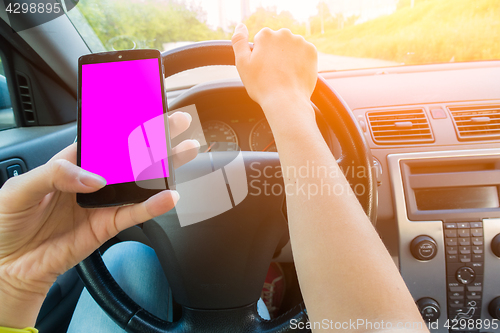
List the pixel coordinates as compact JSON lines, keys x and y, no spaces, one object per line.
{"x":21,"y":192}
{"x":240,"y":44}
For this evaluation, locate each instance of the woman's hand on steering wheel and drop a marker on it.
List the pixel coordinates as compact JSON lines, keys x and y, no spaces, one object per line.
{"x":280,"y":65}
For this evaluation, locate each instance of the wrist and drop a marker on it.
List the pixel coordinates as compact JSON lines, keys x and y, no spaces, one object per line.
{"x":288,"y":113}
{"x":19,"y":308}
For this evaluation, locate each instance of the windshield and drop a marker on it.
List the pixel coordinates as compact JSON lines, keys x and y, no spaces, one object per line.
{"x":349,"y":34}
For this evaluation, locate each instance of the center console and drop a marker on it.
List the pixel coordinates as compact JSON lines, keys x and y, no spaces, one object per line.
{"x":448,"y":217}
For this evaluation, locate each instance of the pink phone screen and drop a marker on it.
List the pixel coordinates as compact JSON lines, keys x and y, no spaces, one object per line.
{"x":122,"y":121}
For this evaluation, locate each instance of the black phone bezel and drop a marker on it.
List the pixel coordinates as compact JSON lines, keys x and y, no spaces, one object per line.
{"x":122,"y":193}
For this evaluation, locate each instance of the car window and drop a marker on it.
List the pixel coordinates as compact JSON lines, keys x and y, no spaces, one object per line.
{"x":7,"y":119}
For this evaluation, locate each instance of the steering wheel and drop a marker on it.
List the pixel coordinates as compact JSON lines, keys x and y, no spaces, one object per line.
{"x":217,"y":268}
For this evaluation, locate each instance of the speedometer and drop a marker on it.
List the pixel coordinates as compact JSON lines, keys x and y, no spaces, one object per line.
{"x":219,"y":136}
{"x":261,"y":137}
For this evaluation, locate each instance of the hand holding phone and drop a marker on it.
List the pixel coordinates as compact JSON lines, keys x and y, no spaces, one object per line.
{"x":123,"y":132}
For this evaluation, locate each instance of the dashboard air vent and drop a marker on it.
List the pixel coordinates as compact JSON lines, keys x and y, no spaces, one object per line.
{"x":476,"y":122}
{"x":27,"y":105}
{"x":396,"y":127}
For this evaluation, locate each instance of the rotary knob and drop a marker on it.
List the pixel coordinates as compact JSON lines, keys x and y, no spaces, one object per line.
{"x":429,"y":309}
{"x":495,"y":245}
{"x":423,"y":248}
{"x":494,"y":308}
{"x":465,"y":275}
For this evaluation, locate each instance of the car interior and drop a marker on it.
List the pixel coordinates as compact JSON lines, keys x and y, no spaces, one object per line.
{"x":427,"y":134}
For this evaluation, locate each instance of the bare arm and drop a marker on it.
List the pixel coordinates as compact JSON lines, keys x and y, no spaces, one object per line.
{"x":344,"y":270}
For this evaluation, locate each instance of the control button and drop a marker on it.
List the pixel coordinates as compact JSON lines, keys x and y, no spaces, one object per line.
{"x":429,"y":309}
{"x":464,"y":233}
{"x":457,"y":302}
{"x":477,"y":257}
{"x":456,"y":289}
{"x":450,"y":225}
{"x":423,"y":248}
{"x":476,"y":224}
{"x":463,"y":225}
{"x":465,"y":275}
{"x":457,"y":294}
{"x":473,"y":304}
{"x":473,"y":294}
{"x":14,"y":170}
{"x":451,"y":250}
{"x":464,"y":258}
{"x":464,"y":249}
{"x":477,"y":240}
{"x":478,"y":267}
{"x":478,"y":282}
{"x":477,"y":232}
{"x":438,"y":113}
{"x":464,"y":241}
{"x":495,"y":245}
{"x":477,"y":249}
{"x":451,"y":258}
{"x":457,"y":298}
{"x":450,"y":233}
{"x":471,"y":312}
{"x":451,"y":241}
{"x":474,"y":288}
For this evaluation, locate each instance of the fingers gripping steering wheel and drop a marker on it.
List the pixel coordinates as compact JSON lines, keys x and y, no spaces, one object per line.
{"x":218,"y":280}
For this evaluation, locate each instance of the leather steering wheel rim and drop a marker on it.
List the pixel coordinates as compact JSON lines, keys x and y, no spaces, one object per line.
{"x":355,"y":152}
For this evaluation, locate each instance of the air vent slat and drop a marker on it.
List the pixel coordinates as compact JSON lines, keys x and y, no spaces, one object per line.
{"x":476,"y":122}
{"x":27,"y":105}
{"x":398,"y":127}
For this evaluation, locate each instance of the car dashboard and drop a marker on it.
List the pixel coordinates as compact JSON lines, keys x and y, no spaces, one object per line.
{"x":434,"y":133}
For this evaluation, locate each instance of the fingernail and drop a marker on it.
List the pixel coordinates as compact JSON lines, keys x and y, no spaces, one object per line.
{"x":239,"y":25}
{"x":189,"y":116}
{"x":196,"y":143}
{"x":175,"y":196}
{"x":91,"y":179}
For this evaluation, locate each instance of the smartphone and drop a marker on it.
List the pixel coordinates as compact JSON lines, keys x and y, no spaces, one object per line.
{"x":123,"y":131}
